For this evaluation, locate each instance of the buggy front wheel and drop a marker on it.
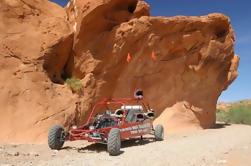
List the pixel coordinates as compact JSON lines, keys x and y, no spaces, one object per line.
{"x":114,"y":142}
{"x":56,"y":137}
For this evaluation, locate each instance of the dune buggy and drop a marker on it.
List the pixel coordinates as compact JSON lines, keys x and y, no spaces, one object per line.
{"x":115,"y":120}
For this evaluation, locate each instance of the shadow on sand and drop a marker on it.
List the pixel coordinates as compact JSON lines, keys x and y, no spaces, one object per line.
{"x":97,"y":147}
{"x":219,"y":125}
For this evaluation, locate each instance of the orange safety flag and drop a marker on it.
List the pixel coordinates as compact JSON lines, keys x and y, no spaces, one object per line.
{"x":129,"y":58}
{"x":153,"y":56}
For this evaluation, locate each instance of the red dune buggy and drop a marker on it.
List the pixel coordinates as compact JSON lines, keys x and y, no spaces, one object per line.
{"x":121,"y":119}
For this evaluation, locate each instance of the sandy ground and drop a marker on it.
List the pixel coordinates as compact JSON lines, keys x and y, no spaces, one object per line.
{"x":227,"y":146}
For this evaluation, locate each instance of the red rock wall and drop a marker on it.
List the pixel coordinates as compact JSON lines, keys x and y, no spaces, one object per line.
{"x":42,"y":43}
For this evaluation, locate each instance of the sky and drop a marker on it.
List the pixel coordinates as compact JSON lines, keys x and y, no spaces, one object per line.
{"x":239,"y":12}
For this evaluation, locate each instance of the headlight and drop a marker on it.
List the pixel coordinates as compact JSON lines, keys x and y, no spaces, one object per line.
{"x":91,"y":127}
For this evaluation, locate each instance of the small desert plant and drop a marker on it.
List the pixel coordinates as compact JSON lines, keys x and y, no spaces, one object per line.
{"x":239,"y":114}
{"x":74,"y":84}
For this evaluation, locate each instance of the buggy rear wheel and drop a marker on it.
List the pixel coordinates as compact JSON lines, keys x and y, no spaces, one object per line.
{"x":114,"y":142}
{"x":159,"y":132}
{"x":56,"y":137}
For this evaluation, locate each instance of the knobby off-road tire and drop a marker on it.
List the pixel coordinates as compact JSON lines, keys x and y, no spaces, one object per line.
{"x":159,"y":132}
{"x":114,"y":142}
{"x":56,"y":137}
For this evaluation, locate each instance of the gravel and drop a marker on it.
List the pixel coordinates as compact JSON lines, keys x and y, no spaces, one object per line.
{"x":211,"y":147}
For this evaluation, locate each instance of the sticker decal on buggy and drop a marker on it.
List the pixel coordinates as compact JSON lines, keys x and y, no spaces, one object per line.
{"x":137,"y":128}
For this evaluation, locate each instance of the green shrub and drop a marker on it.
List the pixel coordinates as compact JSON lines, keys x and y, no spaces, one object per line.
{"x":238,"y":113}
{"x":74,"y":84}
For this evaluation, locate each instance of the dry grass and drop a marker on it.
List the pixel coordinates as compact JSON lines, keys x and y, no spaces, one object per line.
{"x":74,"y":84}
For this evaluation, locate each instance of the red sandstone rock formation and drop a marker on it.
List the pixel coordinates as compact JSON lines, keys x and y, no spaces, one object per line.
{"x":42,"y":44}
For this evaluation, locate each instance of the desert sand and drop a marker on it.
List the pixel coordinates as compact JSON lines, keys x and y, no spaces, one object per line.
{"x":228,"y":145}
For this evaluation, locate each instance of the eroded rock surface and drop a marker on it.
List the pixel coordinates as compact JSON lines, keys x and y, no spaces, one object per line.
{"x":30,"y":102}
{"x":182,"y":63}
